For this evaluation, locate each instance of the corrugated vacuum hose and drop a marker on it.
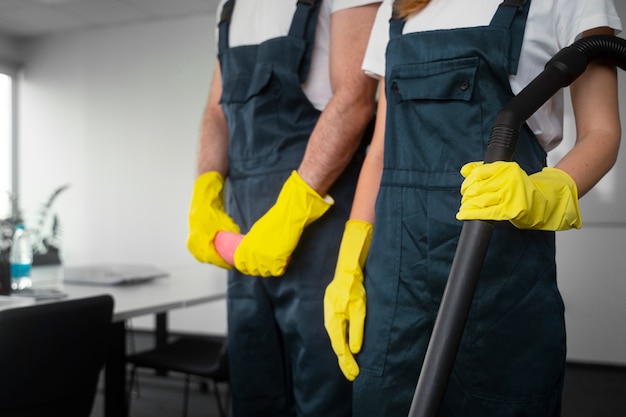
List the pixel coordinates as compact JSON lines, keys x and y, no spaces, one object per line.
{"x":567,"y":65}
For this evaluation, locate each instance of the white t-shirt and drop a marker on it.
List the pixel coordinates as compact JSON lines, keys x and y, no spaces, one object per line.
{"x":255,"y":21}
{"x":551,"y":26}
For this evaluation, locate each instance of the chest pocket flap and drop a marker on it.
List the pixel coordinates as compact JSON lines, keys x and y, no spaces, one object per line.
{"x":245,"y":86}
{"x":439,"y":80}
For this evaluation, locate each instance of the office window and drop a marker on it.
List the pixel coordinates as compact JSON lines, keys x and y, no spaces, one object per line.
{"x":6,"y":143}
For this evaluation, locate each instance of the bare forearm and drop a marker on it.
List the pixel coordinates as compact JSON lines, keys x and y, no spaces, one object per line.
{"x":342,"y":123}
{"x":363,"y":206}
{"x":593,"y":157}
{"x":598,"y":129}
{"x":333,"y":142}
{"x":213,"y":143}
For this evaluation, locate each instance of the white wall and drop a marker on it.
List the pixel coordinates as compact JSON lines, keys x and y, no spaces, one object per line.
{"x":9,"y":50}
{"x":116,"y":114}
{"x":592,"y":261}
{"x":591,"y":269}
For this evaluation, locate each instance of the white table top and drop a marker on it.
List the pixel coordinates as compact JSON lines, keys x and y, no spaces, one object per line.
{"x":185,"y":286}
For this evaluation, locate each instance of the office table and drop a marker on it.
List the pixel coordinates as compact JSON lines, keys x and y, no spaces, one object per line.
{"x":186,"y":286}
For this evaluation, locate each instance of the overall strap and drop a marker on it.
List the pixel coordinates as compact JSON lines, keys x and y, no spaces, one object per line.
{"x":224,"y":24}
{"x":512,"y":15}
{"x":395,"y":27}
{"x":303,"y":27}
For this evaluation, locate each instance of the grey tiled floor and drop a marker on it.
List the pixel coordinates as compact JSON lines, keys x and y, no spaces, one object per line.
{"x":590,"y":391}
{"x":158,"y":396}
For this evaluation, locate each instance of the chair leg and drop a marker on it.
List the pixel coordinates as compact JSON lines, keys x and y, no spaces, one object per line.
{"x":229,"y":404}
{"x":186,"y":395}
{"x":218,"y":399}
{"x":129,"y":390}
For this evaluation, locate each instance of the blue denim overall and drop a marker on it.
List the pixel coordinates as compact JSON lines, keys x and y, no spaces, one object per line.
{"x":444,"y":90}
{"x":281,"y":360}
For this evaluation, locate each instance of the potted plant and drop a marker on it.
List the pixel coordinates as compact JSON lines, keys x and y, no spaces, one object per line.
{"x":45,"y":235}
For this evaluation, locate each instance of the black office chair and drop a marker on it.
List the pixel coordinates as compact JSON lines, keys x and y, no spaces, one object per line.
{"x":201,"y":356}
{"x":51,"y":356}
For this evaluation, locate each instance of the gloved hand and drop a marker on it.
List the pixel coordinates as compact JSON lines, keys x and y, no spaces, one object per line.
{"x":546,"y":200}
{"x":206,"y":217}
{"x":344,"y":300}
{"x":266,"y":249}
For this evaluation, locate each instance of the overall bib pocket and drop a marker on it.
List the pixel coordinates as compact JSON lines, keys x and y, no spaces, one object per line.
{"x":253,"y":98}
{"x":436,"y":89}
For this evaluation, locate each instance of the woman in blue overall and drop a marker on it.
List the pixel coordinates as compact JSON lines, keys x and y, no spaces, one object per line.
{"x":271,"y":125}
{"x":449,"y":68}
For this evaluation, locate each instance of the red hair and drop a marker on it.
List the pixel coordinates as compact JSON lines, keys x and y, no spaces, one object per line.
{"x":404,"y":8}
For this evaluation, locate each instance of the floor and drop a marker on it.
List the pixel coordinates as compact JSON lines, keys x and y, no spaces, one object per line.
{"x":594,"y":391}
{"x":163,"y":397}
{"x":158,"y":396}
{"x":590,"y":391}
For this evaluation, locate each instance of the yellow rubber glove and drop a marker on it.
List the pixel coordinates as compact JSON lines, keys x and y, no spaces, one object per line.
{"x":207,"y":217}
{"x":344,"y":300}
{"x":546,"y":200}
{"x":266,"y":249}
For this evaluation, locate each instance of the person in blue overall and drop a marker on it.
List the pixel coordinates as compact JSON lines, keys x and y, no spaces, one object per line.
{"x":287,"y":111}
{"x":449,"y":67}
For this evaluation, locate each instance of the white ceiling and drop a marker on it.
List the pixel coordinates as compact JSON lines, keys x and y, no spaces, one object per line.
{"x":31,"y":18}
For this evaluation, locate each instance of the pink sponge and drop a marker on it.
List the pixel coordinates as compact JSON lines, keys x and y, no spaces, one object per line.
{"x":226,"y":243}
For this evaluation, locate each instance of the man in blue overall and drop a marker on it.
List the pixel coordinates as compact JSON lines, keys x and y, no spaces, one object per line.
{"x":288,"y":107}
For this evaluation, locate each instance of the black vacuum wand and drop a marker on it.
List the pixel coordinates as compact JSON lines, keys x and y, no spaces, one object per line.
{"x":559,"y":72}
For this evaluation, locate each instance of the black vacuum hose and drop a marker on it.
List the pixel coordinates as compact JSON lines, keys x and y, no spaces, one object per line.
{"x":564,"y":67}
{"x":567,"y":65}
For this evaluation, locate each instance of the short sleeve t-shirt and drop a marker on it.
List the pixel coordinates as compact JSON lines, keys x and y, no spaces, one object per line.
{"x":551,"y":26}
{"x":255,"y":21}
